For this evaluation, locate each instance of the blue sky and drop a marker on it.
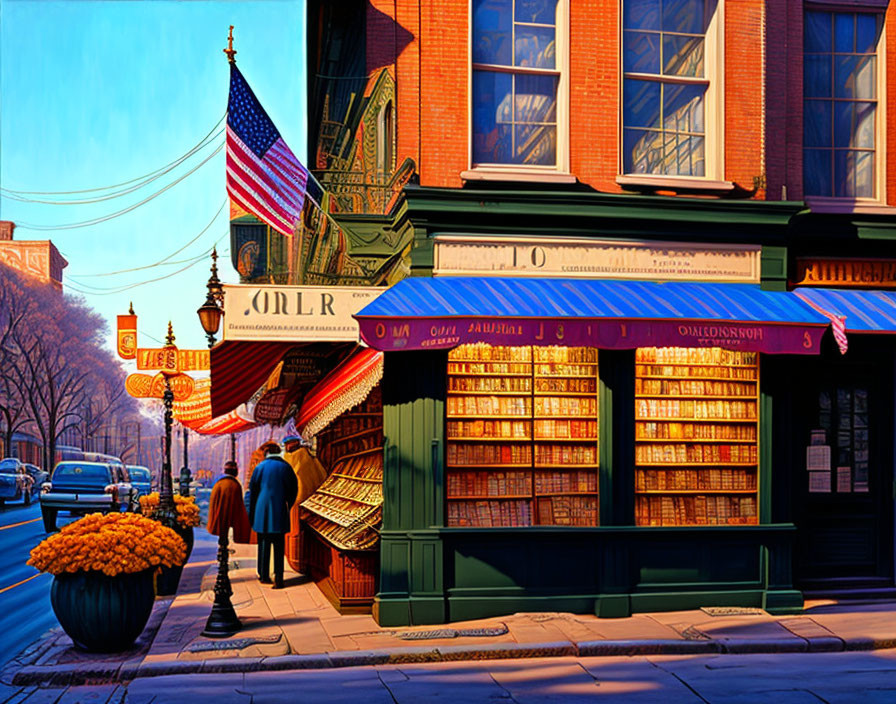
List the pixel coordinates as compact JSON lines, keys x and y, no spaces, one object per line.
{"x":99,"y":93}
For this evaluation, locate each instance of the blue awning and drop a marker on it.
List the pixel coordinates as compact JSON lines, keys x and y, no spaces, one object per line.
{"x":443,"y":312}
{"x":864,"y":311}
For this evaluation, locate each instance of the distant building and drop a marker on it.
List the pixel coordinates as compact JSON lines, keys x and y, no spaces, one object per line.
{"x":37,"y":258}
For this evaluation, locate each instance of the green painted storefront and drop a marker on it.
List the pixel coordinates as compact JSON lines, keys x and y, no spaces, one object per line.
{"x":430,"y":573}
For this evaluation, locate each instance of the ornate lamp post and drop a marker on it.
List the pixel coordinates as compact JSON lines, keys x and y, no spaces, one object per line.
{"x":211,"y":311}
{"x":167,"y":513}
{"x":222,"y":621}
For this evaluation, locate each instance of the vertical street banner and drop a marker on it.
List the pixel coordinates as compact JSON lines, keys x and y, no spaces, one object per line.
{"x":127,"y":336}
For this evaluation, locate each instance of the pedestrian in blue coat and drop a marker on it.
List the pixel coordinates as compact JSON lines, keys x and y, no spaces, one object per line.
{"x":272,"y":490}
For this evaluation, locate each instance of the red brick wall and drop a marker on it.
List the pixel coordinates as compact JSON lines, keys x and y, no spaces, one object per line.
{"x":433,"y":117}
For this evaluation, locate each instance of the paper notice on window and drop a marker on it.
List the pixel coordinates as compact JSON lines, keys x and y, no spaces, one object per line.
{"x":844,"y":479}
{"x":818,"y":457}
{"x":819,"y":482}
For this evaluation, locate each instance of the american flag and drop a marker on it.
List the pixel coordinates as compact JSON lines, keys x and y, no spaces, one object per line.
{"x":264,"y":177}
{"x":838,"y":322}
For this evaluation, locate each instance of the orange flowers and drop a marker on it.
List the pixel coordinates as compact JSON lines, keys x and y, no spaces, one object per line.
{"x":187,"y":510}
{"x":115,"y":543}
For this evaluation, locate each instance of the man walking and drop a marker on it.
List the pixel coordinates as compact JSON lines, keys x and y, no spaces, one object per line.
{"x":226,"y":509}
{"x":272,"y":490}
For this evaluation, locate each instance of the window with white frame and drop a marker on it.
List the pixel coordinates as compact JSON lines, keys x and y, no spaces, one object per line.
{"x":670,"y":84}
{"x":840,"y":111}
{"x":516,"y":82}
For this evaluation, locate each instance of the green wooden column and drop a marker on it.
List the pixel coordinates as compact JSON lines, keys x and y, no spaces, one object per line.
{"x":411,"y":564}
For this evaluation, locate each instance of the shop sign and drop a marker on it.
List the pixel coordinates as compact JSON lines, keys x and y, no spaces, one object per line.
{"x":854,"y":273}
{"x":165,"y":358}
{"x":294,"y":313}
{"x":146,"y":386}
{"x":127,"y":336}
{"x":595,"y":259}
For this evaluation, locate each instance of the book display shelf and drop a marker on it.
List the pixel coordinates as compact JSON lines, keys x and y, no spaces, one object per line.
{"x":696,"y":437}
{"x":522,"y":436}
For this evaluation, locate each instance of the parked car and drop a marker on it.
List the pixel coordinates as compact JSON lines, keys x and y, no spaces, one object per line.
{"x":141,"y":479}
{"x":85,"y":487}
{"x":15,"y":482}
{"x":38,"y":475}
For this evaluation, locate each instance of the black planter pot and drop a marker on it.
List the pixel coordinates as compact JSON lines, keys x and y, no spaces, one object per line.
{"x":102,"y":614}
{"x":169,"y":577}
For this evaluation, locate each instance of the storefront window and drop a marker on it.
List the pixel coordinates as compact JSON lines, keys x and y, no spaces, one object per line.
{"x":696,"y":437}
{"x":522,"y":429}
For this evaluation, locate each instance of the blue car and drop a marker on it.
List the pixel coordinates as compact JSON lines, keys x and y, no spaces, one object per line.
{"x":84,"y":487}
{"x":141,"y":479}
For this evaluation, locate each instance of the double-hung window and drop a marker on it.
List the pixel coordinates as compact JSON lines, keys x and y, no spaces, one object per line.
{"x":516,"y":83}
{"x":841,"y":112}
{"x":670,"y":64}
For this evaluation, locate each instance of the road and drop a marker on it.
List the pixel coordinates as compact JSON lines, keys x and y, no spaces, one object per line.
{"x":25,"y":611}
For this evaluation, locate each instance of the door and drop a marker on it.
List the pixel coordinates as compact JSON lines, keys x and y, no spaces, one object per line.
{"x":842,"y":478}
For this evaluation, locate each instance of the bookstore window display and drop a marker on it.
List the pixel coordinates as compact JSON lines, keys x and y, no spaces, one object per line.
{"x":522,"y":436}
{"x":696,"y":437}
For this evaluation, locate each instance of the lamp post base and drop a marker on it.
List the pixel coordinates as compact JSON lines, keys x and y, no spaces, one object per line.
{"x":222,"y":621}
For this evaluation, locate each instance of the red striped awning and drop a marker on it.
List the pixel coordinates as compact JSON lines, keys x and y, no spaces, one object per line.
{"x":238,"y":369}
{"x":232,"y":422}
{"x":343,"y":388}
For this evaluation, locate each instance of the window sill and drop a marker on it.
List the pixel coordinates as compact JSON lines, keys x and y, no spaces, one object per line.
{"x":848,"y":205}
{"x":677,"y":183}
{"x":535,"y":176}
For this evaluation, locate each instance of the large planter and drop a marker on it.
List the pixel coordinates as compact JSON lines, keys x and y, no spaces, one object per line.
{"x":169,"y":577}
{"x":102,"y":614}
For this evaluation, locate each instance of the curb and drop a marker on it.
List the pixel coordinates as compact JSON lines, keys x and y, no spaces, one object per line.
{"x":105,"y":673}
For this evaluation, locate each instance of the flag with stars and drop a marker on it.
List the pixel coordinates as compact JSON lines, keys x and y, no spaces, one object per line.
{"x":263,"y":175}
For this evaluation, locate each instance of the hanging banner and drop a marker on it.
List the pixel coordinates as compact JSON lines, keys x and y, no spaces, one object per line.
{"x":146,"y":386}
{"x":127,"y":336}
{"x":164,"y":358}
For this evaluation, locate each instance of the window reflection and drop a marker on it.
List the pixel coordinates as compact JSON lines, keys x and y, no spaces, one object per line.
{"x":515,"y":112}
{"x":840,"y":108}
{"x":665,"y":38}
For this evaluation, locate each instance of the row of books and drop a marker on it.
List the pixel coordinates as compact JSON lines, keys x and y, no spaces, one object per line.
{"x":568,"y":511}
{"x":565,"y":454}
{"x":550,"y":428}
{"x":489,"y":405}
{"x":565,"y":369}
{"x":354,"y":489}
{"x":654,"y":372}
{"x":677,"y":408}
{"x":695,"y":510}
{"x":693,"y":355}
{"x":489,"y":513}
{"x":666,"y":430}
{"x":697,"y":387}
{"x":365,"y":467}
{"x":482,"y":352}
{"x":489,"y":368}
{"x":490,"y":383}
{"x":556,"y":482}
{"x":361,"y":534}
{"x":695,"y":479}
{"x":565,"y":354}
{"x":487,"y":484}
{"x":489,"y":429}
{"x":458,"y":454}
{"x":585,"y":385}
{"x":682,"y":453}
{"x":565,"y":406}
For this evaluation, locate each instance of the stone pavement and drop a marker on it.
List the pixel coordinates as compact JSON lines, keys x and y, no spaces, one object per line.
{"x":296,"y":628}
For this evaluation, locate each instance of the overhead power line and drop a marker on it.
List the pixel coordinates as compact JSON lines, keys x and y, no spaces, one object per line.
{"x":96,"y":221}
{"x":146,"y":178}
{"x":162,"y":262}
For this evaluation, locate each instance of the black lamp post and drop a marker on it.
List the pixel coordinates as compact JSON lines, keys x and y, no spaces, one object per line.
{"x":211,"y":311}
{"x":222,"y":621}
{"x":167,"y":512}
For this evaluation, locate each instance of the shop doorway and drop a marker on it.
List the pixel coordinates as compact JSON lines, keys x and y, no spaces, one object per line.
{"x":842,"y":485}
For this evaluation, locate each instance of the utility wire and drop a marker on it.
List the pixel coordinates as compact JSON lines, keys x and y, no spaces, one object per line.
{"x":96,"y":221}
{"x":161,"y":262}
{"x":161,"y":169}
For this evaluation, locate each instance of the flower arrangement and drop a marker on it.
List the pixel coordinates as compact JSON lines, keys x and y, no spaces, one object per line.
{"x":114,"y":544}
{"x":187,"y":510}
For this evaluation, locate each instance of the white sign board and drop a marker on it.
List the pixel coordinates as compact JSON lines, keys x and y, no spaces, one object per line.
{"x":595,"y":259}
{"x":294,"y":313}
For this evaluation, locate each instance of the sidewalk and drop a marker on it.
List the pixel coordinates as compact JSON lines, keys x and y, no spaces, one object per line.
{"x":297,"y":628}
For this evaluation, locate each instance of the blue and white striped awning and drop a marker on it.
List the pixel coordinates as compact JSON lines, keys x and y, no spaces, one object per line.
{"x":443,"y":312}
{"x":864,"y":311}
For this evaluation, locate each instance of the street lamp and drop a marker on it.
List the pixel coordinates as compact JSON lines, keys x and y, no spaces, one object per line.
{"x":167,"y":511}
{"x":211,"y":311}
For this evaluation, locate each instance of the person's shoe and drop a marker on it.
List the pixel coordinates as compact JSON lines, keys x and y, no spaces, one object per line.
{"x":278,"y":583}
{"x":264,"y":580}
